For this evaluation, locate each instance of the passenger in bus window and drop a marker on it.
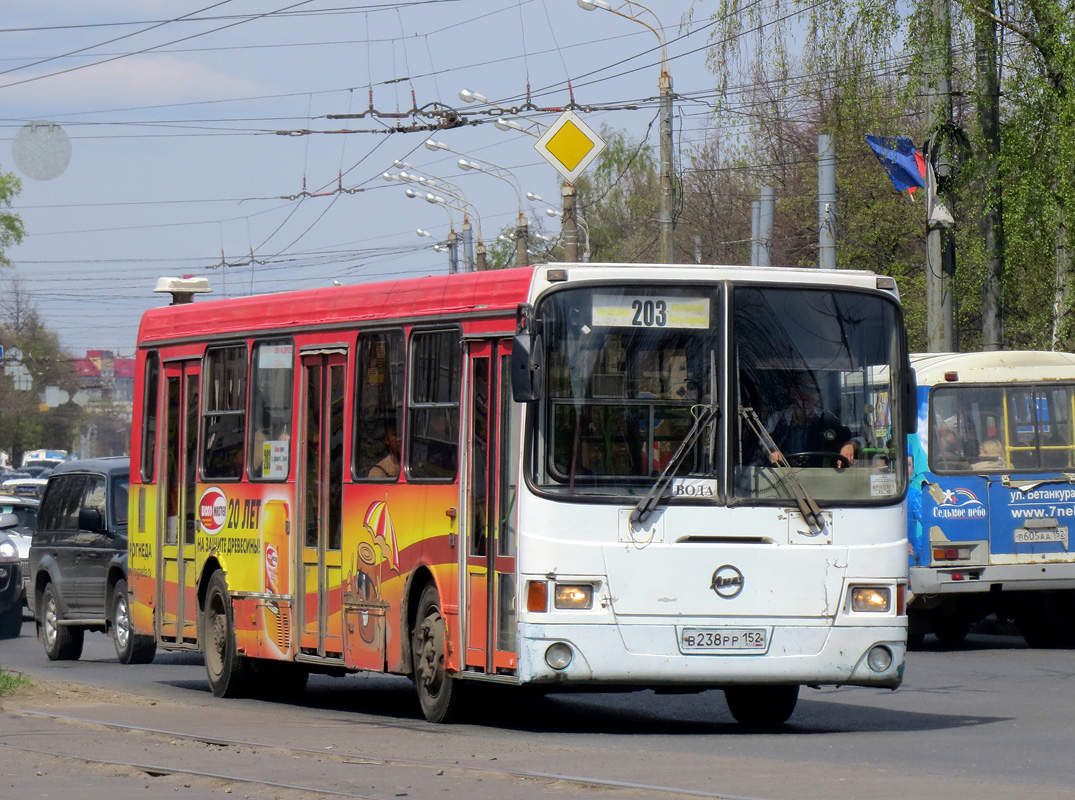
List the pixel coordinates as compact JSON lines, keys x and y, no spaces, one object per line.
{"x":805,"y":432}
{"x":388,"y":467}
{"x":991,"y":456}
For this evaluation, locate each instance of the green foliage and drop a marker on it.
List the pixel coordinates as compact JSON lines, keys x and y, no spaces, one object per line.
{"x":617,"y":199}
{"x":11,"y":682}
{"x":859,"y":74}
{"x":11,"y":227}
{"x":23,"y":423}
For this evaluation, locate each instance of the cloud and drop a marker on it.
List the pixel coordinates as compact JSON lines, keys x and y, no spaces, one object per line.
{"x":137,"y":80}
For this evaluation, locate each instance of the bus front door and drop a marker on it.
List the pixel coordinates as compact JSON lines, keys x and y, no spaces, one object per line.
{"x":321,"y":499}
{"x":176,"y":576}
{"x":489,"y":591}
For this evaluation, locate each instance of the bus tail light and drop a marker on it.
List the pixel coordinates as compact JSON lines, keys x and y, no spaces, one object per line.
{"x":573,"y":595}
{"x":537,"y":596}
{"x":871,"y":598}
{"x":951,"y":553}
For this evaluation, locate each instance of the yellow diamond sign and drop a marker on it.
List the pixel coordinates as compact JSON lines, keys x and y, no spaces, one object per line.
{"x":569,"y":145}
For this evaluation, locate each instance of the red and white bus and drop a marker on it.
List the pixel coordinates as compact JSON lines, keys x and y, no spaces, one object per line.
{"x":544,"y":476}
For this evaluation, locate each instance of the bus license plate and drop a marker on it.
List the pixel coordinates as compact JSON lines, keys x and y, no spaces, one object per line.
{"x":723,"y":640}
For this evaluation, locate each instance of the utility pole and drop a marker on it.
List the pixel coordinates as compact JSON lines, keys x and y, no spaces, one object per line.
{"x":755,"y":232}
{"x":569,"y":224}
{"x":766,"y":212}
{"x":453,"y":252}
{"x":940,"y":244}
{"x":667,"y":253}
{"x":826,"y":202}
{"x":522,"y":236}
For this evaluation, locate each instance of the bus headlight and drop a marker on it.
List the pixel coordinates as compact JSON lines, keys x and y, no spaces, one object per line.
{"x":574,"y":595}
{"x":559,"y":656}
{"x":871,"y":598}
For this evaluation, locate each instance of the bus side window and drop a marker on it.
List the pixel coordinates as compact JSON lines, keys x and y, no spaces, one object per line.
{"x":432,"y":436}
{"x":378,"y":424}
{"x":224,"y":425}
{"x":272,"y":386}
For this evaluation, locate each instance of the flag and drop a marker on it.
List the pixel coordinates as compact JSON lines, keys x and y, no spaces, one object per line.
{"x":905,"y":165}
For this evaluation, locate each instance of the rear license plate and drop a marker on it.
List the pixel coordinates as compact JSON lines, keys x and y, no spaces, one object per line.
{"x":723,"y":640}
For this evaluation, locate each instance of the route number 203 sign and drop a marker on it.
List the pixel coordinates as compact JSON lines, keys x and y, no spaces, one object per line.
{"x":650,"y":311}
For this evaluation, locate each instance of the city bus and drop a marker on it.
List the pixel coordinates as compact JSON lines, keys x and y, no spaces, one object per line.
{"x":993,"y":495}
{"x":556,"y":477}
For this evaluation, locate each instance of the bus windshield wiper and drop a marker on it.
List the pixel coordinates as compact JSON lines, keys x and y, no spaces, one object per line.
{"x":703,"y":415}
{"x":808,"y":507}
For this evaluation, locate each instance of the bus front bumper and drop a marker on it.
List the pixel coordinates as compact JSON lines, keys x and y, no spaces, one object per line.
{"x":652,"y":655}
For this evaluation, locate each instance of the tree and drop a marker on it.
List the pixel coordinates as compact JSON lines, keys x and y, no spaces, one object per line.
{"x":618,"y":197}
{"x":1011,"y":95}
{"x":11,"y":227}
{"x":24,"y":424}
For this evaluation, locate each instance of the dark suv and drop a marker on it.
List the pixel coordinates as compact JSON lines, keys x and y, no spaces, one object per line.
{"x":10,"y":580}
{"x":78,"y":561}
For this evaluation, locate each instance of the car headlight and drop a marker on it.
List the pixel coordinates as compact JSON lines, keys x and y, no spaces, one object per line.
{"x":8,"y":549}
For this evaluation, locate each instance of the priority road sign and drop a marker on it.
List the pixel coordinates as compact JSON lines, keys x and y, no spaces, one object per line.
{"x":570,"y":145}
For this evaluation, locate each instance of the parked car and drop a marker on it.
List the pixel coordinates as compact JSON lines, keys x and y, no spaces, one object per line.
{"x":10,"y":581}
{"x":25,"y":510}
{"x":23,"y":484}
{"x":78,"y":561}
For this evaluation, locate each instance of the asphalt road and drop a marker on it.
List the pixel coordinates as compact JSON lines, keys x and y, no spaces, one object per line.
{"x":990,"y":719}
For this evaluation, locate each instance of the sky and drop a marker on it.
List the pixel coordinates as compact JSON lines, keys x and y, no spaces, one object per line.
{"x":202,"y":143}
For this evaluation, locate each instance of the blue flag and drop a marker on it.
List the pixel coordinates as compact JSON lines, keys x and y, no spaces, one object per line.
{"x":897,"y":155}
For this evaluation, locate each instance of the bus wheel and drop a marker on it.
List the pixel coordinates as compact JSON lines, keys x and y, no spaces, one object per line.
{"x":761,"y":707}
{"x":1045,"y":622}
{"x":951,"y":629}
{"x":62,"y":642}
{"x":227,"y":670}
{"x":131,"y":647}
{"x":439,"y":694}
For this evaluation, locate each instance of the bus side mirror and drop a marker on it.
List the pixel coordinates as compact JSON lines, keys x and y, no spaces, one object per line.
{"x":910,"y":400}
{"x":527,"y":367}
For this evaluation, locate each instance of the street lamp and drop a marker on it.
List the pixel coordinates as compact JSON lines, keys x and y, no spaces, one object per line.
{"x":630,"y":10}
{"x":522,"y":227}
{"x":470,"y":260}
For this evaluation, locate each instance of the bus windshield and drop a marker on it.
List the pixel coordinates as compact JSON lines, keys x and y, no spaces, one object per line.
{"x":994,"y":429}
{"x":630,"y":369}
{"x":627,"y":370}
{"x":818,"y":380}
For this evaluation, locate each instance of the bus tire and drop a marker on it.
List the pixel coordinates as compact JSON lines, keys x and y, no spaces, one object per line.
{"x":951,"y":629}
{"x":439,"y":694}
{"x":62,"y":642}
{"x":228,"y":672}
{"x":761,"y":707}
{"x":131,"y":647}
{"x":1044,"y":622}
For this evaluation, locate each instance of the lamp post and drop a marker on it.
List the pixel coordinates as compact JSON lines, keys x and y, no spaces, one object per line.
{"x":473,"y":258}
{"x":522,"y":227}
{"x":630,"y":10}
{"x":451,"y":245}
